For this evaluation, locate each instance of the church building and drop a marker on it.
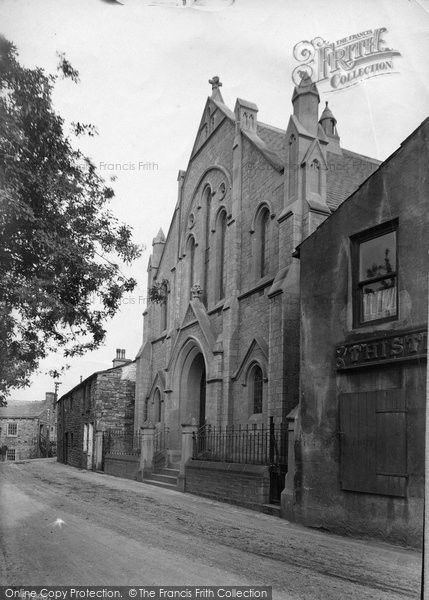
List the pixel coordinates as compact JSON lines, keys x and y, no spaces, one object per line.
{"x":221,"y":342}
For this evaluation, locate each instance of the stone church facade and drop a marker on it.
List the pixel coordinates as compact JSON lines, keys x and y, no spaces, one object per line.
{"x":222,"y":325}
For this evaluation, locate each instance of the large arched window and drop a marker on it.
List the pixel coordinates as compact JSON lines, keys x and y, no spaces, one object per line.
{"x":221,"y":256}
{"x":190,"y":254}
{"x":256,"y":389}
{"x":262,"y":257}
{"x":207,"y":203}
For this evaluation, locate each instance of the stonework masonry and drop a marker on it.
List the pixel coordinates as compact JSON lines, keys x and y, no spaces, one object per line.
{"x":104,"y":401}
{"x":250,"y":194}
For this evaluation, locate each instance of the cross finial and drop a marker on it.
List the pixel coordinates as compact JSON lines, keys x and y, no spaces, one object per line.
{"x":215,"y":82}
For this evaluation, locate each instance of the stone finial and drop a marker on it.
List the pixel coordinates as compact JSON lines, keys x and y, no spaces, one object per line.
{"x":216,"y":85}
{"x":215,"y":82}
{"x":196,"y":292}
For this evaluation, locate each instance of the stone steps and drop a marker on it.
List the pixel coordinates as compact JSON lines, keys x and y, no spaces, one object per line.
{"x":159,"y":484}
{"x":165,"y":477}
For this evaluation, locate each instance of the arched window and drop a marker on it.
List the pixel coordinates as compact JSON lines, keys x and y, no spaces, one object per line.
{"x":207,"y":203}
{"x":315,"y":177}
{"x":262,"y":242}
{"x":221,"y":256}
{"x":257,"y":389}
{"x":190,"y":252}
{"x":292,"y":167}
{"x":164,"y":308}
{"x":157,"y":406}
{"x":146,"y":409}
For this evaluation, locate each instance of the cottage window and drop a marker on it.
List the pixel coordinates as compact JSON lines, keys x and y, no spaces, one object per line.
{"x":375,"y":273}
{"x":10,"y":454}
{"x":12,"y":429}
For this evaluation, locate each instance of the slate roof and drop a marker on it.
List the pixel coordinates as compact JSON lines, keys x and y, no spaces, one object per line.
{"x":274,"y":138}
{"x":17,"y":409}
{"x":345,"y":174}
{"x":346,"y":171}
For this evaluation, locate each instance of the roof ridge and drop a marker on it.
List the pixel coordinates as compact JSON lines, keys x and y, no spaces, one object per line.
{"x":375,"y":160}
{"x":272,"y":127}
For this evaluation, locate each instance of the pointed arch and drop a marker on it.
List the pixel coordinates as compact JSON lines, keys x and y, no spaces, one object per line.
{"x":315,"y":177}
{"x":220,"y":273}
{"x":157,"y":406}
{"x":190,"y":265}
{"x":206,"y":203}
{"x":261,"y":242}
{"x":164,"y":307}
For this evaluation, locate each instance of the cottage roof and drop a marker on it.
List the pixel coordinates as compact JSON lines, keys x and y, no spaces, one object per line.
{"x":19,"y":409}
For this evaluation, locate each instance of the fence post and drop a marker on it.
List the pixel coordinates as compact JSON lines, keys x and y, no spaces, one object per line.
{"x":147,"y":452}
{"x":288,"y":494}
{"x":98,"y":450}
{"x":187,"y":450}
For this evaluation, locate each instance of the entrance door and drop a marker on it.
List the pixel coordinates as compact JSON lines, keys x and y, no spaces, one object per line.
{"x":90,"y":445}
{"x":202,"y":420}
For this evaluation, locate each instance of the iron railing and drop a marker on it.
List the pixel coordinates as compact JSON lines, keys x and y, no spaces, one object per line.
{"x":247,"y":444}
{"x":121,"y":442}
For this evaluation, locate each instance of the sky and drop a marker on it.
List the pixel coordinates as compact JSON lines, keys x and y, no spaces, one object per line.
{"x":144,"y":72}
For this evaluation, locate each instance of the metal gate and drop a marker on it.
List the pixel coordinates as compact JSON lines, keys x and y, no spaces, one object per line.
{"x":278,"y":460}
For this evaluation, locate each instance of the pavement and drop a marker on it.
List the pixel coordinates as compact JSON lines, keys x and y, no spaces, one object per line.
{"x":64,"y":526}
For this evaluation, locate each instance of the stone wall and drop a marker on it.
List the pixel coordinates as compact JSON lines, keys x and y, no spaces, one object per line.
{"x":26,"y":442}
{"x":245,"y":485}
{"x":122,"y":466}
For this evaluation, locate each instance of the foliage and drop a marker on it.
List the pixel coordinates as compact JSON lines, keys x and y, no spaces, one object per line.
{"x":59,"y":243}
{"x":158,"y":291}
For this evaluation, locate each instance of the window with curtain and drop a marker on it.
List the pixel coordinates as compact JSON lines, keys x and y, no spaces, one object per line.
{"x":376,"y":276}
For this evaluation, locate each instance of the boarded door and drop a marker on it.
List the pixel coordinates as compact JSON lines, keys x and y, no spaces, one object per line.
{"x":373,"y":442}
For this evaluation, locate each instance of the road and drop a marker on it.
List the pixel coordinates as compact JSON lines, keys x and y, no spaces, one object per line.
{"x":120,"y":532}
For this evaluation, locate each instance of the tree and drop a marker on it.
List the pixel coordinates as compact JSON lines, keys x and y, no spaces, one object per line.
{"x":59,"y":243}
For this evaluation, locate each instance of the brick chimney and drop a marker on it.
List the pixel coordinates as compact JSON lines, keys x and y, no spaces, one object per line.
{"x":120,"y":358}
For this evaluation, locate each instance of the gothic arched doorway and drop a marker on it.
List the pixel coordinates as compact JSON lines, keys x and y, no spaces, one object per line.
{"x":195,"y":393}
